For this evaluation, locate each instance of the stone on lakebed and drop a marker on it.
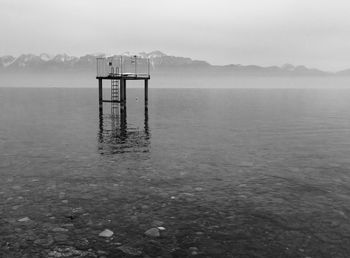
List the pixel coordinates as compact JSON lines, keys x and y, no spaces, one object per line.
{"x":26,"y":219}
{"x":153,"y":232}
{"x":130,"y":250}
{"x":106,"y":233}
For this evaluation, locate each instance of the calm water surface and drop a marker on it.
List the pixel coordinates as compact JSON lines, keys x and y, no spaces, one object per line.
{"x":227,"y":173}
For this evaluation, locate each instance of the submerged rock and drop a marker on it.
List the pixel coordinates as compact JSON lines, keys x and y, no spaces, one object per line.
{"x":106,"y":233}
{"x":153,"y":232}
{"x":68,"y":252}
{"x":25,"y":219}
{"x":61,"y":237}
{"x":129,"y":250}
{"x":44,"y":241}
{"x":82,"y":243}
{"x":193,"y":250}
{"x":59,"y":229}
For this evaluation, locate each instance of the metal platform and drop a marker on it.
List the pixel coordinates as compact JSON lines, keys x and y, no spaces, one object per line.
{"x":126,"y":76}
{"x":119,"y":69}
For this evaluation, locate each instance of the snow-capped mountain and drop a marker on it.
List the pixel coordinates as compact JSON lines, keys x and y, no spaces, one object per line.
{"x":88,"y":62}
{"x":159,"y":61}
{"x":5,"y":61}
{"x":45,"y":57}
{"x":153,"y":54}
{"x":63,"y":58}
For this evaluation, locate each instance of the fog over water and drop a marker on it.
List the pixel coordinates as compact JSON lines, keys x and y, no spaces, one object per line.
{"x":214,"y":82}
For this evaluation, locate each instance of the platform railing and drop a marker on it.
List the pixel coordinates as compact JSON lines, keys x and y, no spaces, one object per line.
{"x":122,"y":66}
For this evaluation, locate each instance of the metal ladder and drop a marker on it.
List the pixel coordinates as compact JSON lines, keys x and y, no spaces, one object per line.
{"x":115,"y":97}
{"x":114,"y":90}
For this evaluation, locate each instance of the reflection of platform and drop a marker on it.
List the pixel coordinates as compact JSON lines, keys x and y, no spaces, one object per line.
{"x":116,"y":137}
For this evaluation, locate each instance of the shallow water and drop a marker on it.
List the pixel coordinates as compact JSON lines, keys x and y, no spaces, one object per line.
{"x":227,"y":173}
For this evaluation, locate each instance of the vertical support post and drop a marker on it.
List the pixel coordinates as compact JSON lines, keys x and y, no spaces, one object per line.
{"x":122,"y":90}
{"x":100,"y":94}
{"x":146,"y":91}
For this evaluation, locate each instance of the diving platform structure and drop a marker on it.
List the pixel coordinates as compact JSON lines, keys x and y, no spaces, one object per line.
{"x":118,"y":70}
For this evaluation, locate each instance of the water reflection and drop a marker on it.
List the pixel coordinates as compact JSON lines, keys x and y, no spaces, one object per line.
{"x":116,"y":136}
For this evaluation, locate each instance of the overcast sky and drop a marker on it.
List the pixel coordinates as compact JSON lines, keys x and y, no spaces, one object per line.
{"x":315,"y":33}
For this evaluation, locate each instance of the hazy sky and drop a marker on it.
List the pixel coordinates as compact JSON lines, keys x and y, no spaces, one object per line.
{"x":315,"y":33}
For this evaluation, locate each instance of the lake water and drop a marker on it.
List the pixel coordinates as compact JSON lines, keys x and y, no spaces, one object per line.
{"x":226,"y":173}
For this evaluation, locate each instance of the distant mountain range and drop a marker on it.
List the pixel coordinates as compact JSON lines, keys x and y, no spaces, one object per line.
{"x":159,"y":63}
